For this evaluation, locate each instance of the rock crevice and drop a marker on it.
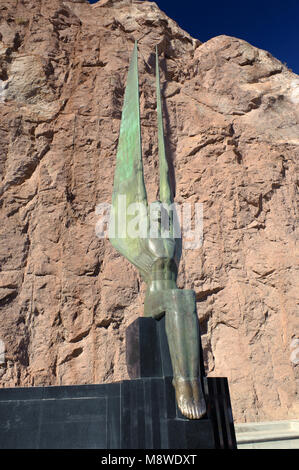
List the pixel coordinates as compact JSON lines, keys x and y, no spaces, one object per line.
{"x":232,"y":124}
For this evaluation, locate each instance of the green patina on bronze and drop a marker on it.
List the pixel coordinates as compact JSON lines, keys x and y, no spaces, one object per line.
{"x":157,"y":258}
{"x":128,"y":177}
{"x":165,"y":187}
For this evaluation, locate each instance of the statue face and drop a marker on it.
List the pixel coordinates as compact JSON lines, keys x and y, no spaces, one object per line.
{"x":159,"y":215}
{"x":155,"y":214}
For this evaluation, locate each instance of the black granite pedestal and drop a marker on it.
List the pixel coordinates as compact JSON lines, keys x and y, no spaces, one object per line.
{"x":148,"y":358}
{"x":140,"y":413}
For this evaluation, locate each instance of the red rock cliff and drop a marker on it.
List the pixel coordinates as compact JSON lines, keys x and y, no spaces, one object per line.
{"x":231,"y":119}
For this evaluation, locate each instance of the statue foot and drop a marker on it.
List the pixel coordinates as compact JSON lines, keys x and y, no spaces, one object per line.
{"x":189,"y":397}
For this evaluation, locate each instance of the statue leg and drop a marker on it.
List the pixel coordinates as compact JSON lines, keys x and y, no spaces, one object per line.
{"x":182,"y":329}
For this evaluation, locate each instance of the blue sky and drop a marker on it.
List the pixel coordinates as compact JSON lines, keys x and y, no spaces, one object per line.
{"x":270,"y":25}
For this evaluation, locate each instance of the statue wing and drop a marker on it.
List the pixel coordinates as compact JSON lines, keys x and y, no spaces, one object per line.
{"x":165,"y":189}
{"x":129,"y":187}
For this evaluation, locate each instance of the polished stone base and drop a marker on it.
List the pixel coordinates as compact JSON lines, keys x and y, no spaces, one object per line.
{"x":148,"y":356}
{"x":133,"y":414}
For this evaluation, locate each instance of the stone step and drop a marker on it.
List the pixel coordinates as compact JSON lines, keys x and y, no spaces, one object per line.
{"x":268,"y":435}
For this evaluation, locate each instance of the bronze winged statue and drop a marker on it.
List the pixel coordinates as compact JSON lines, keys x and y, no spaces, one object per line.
{"x":156,"y":257}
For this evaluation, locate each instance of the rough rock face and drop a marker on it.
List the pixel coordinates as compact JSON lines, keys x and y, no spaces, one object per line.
{"x":231,"y":119}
